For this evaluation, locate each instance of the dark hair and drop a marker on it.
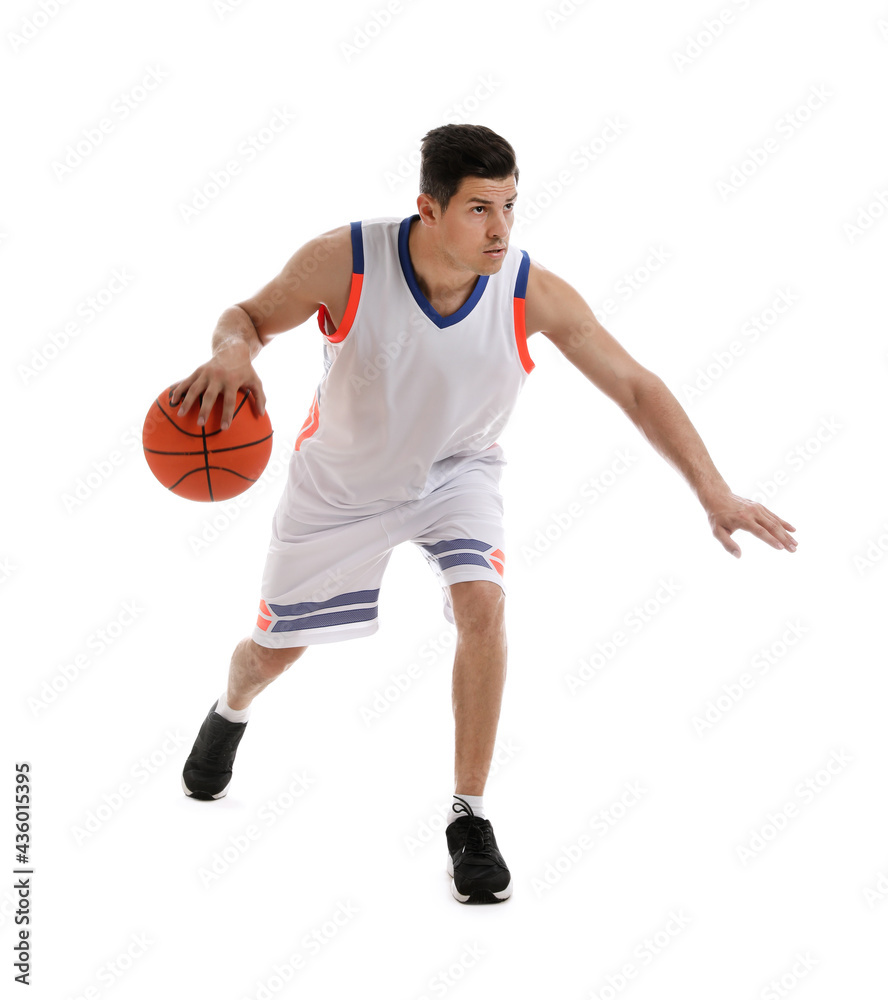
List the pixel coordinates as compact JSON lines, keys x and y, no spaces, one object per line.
{"x":452,"y":152}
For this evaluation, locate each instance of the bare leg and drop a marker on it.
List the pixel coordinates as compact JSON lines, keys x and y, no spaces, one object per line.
{"x":479,"y":676}
{"x":254,"y":667}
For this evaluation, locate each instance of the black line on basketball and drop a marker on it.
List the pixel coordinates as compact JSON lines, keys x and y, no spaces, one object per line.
{"x":173,"y":422}
{"x":234,"y":447}
{"x":184,"y":477}
{"x":154,"y":451}
{"x":213,"y":451}
{"x":218,"y":468}
{"x":233,"y":415}
{"x":207,"y":464}
{"x":233,"y":472}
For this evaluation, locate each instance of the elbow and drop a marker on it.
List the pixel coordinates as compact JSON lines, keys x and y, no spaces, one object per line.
{"x":250,"y":321}
{"x":643,"y":389}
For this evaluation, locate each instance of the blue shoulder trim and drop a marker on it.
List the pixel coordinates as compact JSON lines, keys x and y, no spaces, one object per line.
{"x":357,"y":236}
{"x":521,"y":280}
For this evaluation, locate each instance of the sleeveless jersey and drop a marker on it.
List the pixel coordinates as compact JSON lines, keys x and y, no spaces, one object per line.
{"x":409,"y":396}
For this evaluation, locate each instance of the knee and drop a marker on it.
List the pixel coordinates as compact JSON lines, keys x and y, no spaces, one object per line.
{"x":478,"y":606}
{"x":271,"y":662}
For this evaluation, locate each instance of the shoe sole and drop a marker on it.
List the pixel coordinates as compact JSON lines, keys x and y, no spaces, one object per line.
{"x":203,"y":796}
{"x":479,"y":895}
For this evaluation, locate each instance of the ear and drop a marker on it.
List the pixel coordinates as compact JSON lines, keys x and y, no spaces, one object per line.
{"x":429,"y":210}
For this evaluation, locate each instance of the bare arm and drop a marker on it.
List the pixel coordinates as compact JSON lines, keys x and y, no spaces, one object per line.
{"x":317,"y":273}
{"x":556,"y":309}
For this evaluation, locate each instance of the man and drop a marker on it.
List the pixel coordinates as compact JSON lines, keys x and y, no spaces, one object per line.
{"x":425,"y":323}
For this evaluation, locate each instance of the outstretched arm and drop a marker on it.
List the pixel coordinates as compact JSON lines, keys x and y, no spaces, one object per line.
{"x":560,"y":313}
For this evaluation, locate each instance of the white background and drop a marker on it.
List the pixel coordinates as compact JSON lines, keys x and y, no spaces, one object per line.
{"x":365,"y":837}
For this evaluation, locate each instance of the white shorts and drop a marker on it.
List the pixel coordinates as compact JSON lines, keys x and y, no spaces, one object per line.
{"x":322,"y":575}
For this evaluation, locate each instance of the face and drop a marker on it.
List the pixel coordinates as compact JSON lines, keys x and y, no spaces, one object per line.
{"x":473,"y":234}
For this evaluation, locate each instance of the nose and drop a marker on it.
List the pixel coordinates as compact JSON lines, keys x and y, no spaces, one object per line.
{"x":497,"y":225}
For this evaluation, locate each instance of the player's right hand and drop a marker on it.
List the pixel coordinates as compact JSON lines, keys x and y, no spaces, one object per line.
{"x":223,"y":374}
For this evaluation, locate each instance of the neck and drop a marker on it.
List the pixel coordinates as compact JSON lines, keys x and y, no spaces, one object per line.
{"x":437,"y":276}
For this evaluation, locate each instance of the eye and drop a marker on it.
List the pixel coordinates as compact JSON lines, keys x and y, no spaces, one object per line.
{"x":478,"y":208}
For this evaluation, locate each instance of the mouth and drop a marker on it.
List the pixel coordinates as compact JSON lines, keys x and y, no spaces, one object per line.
{"x":496,"y":252}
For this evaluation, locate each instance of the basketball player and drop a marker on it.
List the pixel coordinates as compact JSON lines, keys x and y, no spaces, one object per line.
{"x":425,"y":323}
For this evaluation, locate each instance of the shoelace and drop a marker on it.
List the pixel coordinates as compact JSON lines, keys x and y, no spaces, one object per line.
{"x":479,"y":834}
{"x":220,"y":751}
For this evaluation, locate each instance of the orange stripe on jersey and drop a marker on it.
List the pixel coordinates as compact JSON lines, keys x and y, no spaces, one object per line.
{"x":311,"y":423}
{"x":351,"y":308}
{"x":521,"y":335}
{"x":498,"y":560}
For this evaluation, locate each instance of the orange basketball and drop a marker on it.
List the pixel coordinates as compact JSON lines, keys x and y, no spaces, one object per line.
{"x":206,"y":463}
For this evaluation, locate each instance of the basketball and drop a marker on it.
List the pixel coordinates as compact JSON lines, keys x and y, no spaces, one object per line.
{"x":206,"y":463}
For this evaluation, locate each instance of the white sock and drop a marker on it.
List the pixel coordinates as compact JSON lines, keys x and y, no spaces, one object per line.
{"x":476,"y":803}
{"x":232,"y":714}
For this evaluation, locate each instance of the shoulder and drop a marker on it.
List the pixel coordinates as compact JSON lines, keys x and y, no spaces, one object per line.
{"x":341,"y":244}
{"x":319,"y":272}
{"x":333,"y":248}
{"x":547,"y":298}
{"x":324,"y":262}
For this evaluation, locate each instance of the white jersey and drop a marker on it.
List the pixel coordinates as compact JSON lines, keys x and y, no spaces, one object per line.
{"x":409,"y":396}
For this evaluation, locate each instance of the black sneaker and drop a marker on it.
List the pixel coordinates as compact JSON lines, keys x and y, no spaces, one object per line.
{"x":479,"y":872}
{"x":207,"y":771}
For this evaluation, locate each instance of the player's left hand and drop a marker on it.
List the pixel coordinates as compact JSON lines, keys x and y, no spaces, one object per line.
{"x":730,"y":513}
